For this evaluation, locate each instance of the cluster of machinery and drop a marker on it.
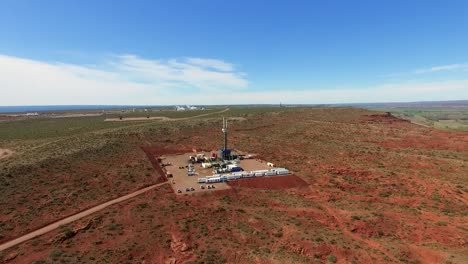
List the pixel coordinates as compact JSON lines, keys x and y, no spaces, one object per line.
{"x":225,"y":166}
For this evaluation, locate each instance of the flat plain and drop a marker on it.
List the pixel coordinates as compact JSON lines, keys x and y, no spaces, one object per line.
{"x":371,"y":188}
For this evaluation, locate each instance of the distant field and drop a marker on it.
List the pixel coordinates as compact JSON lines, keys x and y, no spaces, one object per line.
{"x":165,"y":113}
{"x":454,"y":119}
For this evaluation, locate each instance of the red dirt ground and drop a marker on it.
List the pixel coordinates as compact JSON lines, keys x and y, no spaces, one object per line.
{"x":369,"y":188}
{"x":382,"y":119}
{"x":273,"y":182}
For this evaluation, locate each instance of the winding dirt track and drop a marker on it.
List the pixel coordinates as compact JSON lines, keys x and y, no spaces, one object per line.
{"x":74,"y":217}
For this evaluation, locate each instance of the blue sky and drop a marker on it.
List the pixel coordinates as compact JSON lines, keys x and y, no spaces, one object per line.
{"x":211,"y":52}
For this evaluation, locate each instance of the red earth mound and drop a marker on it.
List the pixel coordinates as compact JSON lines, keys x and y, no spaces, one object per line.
{"x":386,"y":118}
{"x":275,"y":182}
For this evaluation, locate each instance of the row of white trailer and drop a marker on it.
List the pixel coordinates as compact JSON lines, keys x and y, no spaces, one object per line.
{"x":242,"y":174}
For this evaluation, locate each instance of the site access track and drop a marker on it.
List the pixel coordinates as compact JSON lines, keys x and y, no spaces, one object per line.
{"x":74,"y":217}
{"x":162,"y":118}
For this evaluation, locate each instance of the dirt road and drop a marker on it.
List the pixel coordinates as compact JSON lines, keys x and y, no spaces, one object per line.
{"x":74,"y":217}
{"x":162,"y":118}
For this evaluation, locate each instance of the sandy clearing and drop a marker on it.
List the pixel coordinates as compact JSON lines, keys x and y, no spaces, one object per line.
{"x":74,"y":217}
{"x":164,"y":118}
{"x":5,"y":153}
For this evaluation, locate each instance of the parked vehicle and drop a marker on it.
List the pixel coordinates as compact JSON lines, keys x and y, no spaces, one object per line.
{"x":234,"y":169}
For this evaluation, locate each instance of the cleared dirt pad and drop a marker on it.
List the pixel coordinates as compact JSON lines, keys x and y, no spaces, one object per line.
{"x":5,"y":153}
{"x":273,"y":182}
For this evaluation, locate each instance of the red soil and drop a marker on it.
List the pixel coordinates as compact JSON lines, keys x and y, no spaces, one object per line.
{"x":375,"y":189}
{"x":273,"y":182}
{"x":382,"y":119}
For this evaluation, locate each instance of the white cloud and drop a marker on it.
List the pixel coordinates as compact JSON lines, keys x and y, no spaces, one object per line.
{"x":128,"y":79}
{"x":211,"y":63}
{"x":120,"y":80}
{"x":449,"y":67}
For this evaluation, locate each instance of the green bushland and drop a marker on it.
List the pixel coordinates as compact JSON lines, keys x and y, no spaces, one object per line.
{"x":453,"y":119}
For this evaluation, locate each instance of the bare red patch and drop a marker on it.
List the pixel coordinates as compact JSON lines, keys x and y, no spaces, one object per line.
{"x":274,"y":182}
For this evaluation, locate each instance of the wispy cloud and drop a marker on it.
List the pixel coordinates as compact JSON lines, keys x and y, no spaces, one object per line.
{"x":129,"y":79}
{"x":191,"y":72}
{"x":119,"y":79}
{"x":211,"y":63}
{"x":441,"y":68}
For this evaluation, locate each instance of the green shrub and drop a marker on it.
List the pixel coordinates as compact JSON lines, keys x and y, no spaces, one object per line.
{"x":56,"y":254}
{"x":332,"y":259}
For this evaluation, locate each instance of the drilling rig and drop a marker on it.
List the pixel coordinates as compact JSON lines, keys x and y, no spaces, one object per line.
{"x":225,"y":152}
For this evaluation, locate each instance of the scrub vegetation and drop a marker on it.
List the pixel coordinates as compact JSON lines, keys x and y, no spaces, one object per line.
{"x":377,"y":189}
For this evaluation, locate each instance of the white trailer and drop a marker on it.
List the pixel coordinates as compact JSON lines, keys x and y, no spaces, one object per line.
{"x":270,"y":173}
{"x":277,"y":169}
{"x":213,"y":179}
{"x":245,"y":174}
{"x":280,"y":171}
{"x":201,"y":180}
{"x":262,"y":171}
{"x":233,"y":177}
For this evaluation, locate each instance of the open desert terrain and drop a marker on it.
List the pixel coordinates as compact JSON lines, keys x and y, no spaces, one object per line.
{"x":367,"y":187}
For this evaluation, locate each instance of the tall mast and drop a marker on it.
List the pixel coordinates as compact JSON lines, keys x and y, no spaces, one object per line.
{"x":225,"y":133}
